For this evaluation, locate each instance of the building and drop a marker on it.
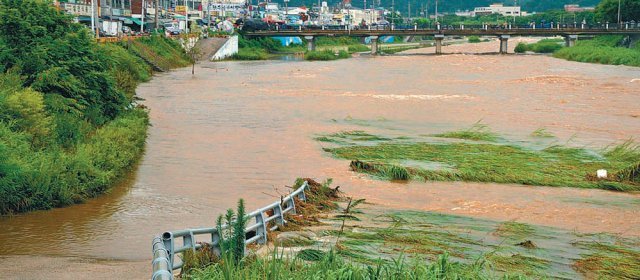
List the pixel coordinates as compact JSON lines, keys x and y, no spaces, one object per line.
{"x":513,"y":11}
{"x":575,"y":8}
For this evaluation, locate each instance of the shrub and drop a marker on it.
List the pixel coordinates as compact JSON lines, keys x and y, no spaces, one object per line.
{"x":474,"y":39}
{"x":326,"y":55}
{"x":521,"y":48}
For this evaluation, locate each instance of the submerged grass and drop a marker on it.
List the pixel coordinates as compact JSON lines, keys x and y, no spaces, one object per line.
{"x":499,"y":163}
{"x":542,"y":133}
{"x":477,"y":132}
{"x":609,"y":261}
{"x":326,"y":55}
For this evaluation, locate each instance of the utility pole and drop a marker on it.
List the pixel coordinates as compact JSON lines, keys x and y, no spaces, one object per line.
{"x":157,"y":11}
{"x":142,"y":17}
{"x":409,"y":11}
{"x":186,"y":18}
{"x":436,"y":10}
{"x":393,"y":10}
{"x":619,"y":22}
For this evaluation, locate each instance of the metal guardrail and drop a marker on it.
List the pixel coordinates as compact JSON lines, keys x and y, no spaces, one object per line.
{"x":165,"y":246}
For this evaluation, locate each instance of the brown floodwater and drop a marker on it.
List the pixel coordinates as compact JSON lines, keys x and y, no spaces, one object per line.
{"x":245,"y":129}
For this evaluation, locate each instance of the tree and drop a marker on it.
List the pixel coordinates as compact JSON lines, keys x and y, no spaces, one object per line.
{"x":607,"y":10}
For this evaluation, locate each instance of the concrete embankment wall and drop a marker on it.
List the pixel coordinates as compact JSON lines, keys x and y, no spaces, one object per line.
{"x":227,"y":50}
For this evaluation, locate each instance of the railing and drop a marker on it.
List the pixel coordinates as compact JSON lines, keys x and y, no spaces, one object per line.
{"x":165,"y":247}
{"x":604,"y":27}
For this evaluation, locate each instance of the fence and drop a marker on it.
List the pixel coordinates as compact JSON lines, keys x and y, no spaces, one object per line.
{"x":165,"y":247}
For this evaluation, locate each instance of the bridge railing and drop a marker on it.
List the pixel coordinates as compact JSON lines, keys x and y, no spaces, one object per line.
{"x":631,"y":25}
{"x":166,"y":246}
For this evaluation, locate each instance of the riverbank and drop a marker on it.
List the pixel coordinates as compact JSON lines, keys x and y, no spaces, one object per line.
{"x":70,"y":126}
{"x":601,"y":50}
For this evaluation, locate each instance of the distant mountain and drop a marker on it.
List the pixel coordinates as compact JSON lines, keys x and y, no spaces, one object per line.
{"x":452,"y":5}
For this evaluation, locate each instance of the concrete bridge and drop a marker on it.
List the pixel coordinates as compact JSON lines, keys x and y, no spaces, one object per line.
{"x":570,"y":34}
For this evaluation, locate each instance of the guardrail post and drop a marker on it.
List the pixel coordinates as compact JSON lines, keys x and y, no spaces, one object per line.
{"x":189,"y":240}
{"x":167,"y":239}
{"x":292,"y":203}
{"x":215,"y":243}
{"x":262,"y":229}
{"x":278,"y":212}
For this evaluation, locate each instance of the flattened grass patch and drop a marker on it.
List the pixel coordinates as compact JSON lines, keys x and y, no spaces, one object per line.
{"x":491,"y":162}
{"x":609,"y":261}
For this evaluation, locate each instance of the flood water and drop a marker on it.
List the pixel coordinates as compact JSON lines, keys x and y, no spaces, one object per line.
{"x":245,"y":129}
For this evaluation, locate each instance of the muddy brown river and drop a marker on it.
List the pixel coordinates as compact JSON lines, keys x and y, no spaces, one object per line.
{"x":245,"y":129}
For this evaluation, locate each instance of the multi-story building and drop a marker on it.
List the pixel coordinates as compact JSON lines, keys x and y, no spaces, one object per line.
{"x":498,"y":9}
{"x":575,"y":8}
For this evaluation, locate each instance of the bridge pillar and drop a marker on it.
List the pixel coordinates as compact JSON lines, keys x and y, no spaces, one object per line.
{"x":570,"y":40}
{"x":504,"y":47}
{"x":374,"y":45}
{"x":311,"y":43}
{"x":439,"y":38}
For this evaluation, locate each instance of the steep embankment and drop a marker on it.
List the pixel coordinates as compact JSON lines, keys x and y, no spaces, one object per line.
{"x":68,"y":125}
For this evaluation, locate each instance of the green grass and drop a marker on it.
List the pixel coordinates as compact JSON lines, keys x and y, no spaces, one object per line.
{"x":164,"y":52}
{"x":326,"y":55}
{"x":499,"y":163}
{"x":477,"y":132}
{"x":602,"y":50}
{"x":251,"y":54}
{"x":358,"y":48}
{"x":332,"y":266}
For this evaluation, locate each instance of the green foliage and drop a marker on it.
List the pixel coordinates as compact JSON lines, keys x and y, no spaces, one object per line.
{"x":251,"y":54}
{"x":542,"y":46}
{"x":521,"y":48}
{"x":474,"y":39}
{"x":162,"y":51}
{"x":128,"y":70}
{"x":232,"y":237}
{"x":58,"y":57}
{"x":607,"y":10}
{"x":601,"y":50}
{"x":358,"y":48}
{"x":267,"y":44}
{"x":326,"y":55}
{"x":337,"y":41}
{"x":40,"y":179}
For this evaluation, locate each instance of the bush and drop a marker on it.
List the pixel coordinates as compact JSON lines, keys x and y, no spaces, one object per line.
{"x":474,"y":39}
{"x":326,"y":55}
{"x":521,"y":47}
{"x":251,"y":54}
{"x":601,"y":50}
